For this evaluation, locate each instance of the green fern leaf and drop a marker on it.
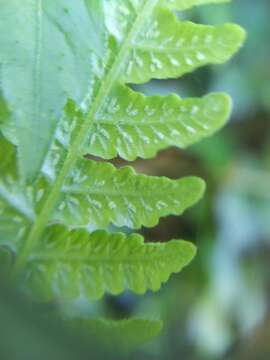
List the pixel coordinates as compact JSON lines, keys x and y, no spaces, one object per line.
{"x":175,"y":48}
{"x":122,"y":197}
{"x":71,"y":264}
{"x":132,"y":125}
{"x":38,"y":73}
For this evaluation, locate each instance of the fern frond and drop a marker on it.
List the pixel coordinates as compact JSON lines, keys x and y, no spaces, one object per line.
{"x":105,"y":118}
{"x":70,"y":264}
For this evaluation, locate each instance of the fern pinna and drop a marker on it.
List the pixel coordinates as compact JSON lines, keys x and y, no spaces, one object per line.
{"x":65,"y":72}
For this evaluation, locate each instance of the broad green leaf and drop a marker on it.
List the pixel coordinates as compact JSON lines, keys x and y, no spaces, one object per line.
{"x":95,"y":11}
{"x":97,"y":194}
{"x":71,"y":264}
{"x":46,"y":55}
{"x":124,"y":335}
{"x":186,"y":4}
{"x":132,"y":125}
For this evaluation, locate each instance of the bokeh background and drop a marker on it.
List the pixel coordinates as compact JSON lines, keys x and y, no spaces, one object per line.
{"x":219,"y":306}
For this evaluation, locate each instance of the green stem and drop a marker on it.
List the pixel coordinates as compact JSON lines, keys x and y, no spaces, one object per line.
{"x":43,"y":217}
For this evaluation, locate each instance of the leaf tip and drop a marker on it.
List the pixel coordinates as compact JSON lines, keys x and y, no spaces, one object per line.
{"x":233,"y":36}
{"x":197,"y":188}
{"x":185,"y":252}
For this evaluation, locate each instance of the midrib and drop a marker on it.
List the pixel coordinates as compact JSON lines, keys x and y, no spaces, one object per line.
{"x":43,"y":217}
{"x":38,"y":13}
{"x":90,"y":259}
{"x":114,"y":193}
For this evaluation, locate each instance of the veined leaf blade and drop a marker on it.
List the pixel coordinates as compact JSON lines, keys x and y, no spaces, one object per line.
{"x":174,"y":48}
{"x":132,"y":125}
{"x":72,"y":264}
{"x":97,"y":194}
